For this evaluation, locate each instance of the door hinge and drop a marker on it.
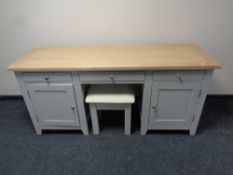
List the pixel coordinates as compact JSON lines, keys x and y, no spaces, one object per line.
{"x":193,"y":118}
{"x":28,"y":94}
{"x":200,"y":92}
{"x":37,"y":118}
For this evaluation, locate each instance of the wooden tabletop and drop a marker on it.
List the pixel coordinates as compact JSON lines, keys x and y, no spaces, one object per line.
{"x":115,"y":57}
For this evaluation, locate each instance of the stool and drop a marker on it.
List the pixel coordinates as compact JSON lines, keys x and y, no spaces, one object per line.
{"x":110,"y":97}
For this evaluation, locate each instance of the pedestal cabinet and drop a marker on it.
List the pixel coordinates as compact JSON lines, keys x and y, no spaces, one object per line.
{"x":54,"y":100}
{"x":174,"y":99}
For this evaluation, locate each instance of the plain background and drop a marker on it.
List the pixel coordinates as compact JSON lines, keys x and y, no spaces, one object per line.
{"x":31,"y":23}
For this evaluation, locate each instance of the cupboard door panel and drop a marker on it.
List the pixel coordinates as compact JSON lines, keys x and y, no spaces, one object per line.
{"x":54,"y":104}
{"x":173,"y":103}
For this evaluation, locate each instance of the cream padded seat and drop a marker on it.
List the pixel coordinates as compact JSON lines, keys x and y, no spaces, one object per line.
{"x":110,"y":94}
{"x":110,"y":97}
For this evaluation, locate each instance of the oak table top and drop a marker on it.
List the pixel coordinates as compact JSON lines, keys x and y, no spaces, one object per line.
{"x":115,"y":58}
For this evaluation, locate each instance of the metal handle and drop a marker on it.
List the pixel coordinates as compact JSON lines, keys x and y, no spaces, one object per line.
{"x":46,"y":78}
{"x":179,"y":76}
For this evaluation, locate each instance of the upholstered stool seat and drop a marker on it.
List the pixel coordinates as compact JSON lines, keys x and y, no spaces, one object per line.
{"x":110,"y":97}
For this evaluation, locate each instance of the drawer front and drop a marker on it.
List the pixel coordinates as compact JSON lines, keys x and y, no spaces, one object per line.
{"x":47,"y":77}
{"x":179,"y":75}
{"x":111,"y":76}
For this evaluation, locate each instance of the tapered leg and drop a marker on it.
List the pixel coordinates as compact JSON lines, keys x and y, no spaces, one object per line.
{"x":94,"y":119}
{"x":201,"y":102}
{"x":192,"y":132}
{"x":28,"y":103}
{"x":81,"y":109}
{"x":127,"y":119}
{"x":146,"y":102}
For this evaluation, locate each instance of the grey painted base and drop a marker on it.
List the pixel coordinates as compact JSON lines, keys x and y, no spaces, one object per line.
{"x":170,"y":99}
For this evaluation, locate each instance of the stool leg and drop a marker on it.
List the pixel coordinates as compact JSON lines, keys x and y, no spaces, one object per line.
{"x":127,"y":119}
{"x":94,"y":119}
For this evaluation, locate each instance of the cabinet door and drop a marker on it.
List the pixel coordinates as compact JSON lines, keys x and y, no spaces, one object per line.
{"x":54,"y":104}
{"x":173,"y":104}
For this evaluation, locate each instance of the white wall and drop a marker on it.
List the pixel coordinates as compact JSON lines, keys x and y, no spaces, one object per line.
{"x":30,"y":23}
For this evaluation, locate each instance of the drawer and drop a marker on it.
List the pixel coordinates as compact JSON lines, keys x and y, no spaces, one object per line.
{"x":111,"y":76}
{"x":179,"y":75}
{"x":47,"y":77}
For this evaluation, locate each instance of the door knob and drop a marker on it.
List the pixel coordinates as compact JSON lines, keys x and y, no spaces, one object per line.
{"x":154,"y":108}
{"x":73,"y":109}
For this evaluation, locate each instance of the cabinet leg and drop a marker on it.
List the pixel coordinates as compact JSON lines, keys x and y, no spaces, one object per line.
{"x":146,"y":102}
{"x":143,"y":131}
{"x":38,"y":131}
{"x":80,"y":102}
{"x":85,"y":131}
{"x":192,"y":132}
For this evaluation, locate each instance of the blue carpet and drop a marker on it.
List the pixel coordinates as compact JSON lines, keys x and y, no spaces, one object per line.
{"x":210,"y":152}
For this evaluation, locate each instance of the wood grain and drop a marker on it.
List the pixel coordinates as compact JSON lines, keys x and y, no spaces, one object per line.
{"x":112,"y":57}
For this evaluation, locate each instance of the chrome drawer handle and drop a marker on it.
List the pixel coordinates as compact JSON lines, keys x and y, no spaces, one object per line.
{"x":112,"y":77}
{"x":179,"y":77}
{"x":46,"y":78}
